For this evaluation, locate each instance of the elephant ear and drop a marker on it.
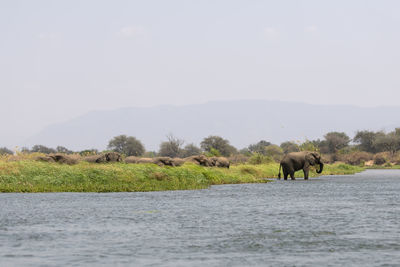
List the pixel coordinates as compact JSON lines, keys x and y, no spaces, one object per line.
{"x":310,"y":159}
{"x":316,"y":156}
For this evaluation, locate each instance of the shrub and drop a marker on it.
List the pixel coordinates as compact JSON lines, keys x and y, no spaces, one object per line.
{"x":357,"y":158}
{"x":42,"y":149}
{"x":326,"y":158}
{"x":213,"y":153}
{"x":89,"y":152}
{"x":380,"y":158}
{"x":5,"y":151}
{"x":171,"y":148}
{"x":190,"y":150}
{"x":257,"y":158}
{"x":238,"y":159}
{"x":289,"y":147}
{"x":274,"y":151}
{"x":396,"y":159}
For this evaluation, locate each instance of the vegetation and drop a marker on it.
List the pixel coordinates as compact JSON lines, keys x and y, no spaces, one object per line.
{"x":288,"y":147}
{"x":5,"y":151}
{"x":127,"y":145}
{"x":191,"y":150}
{"x":24,"y":174}
{"x":42,"y":149}
{"x":171,"y":148}
{"x":217,"y":143}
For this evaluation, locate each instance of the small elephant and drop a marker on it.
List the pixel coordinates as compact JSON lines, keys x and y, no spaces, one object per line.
{"x":163,"y":161}
{"x":221,"y":162}
{"x":106,"y":157}
{"x":295,"y":161}
{"x":199,"y":160}
{"x":62,"y":158}
{"x":145,"y":160}
{"x":131,"y":159}
{"x":113,"y":157}
{"x":178,"y":162}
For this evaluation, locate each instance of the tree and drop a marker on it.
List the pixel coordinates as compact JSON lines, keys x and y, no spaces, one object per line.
{"x":128,"y":145}
{"x":171,"y":148}
{"x":190,"y":150}
{"x":61,"y":149}
{"x":309,"y":146}
{"x":387,"y":142}
{"x":25,"y":150}
{"x":5,"y":151}
{"x":366,"y":140}
{"x":288,"y":147}
{"x":218,"y":143}
{"x":336,"y":141}
{"x":259,"y":147}
{"x":274,"y":152}
{"x":42,"y":149}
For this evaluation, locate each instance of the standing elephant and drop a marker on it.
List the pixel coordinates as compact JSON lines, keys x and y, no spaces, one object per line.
{"x":295,"y":161}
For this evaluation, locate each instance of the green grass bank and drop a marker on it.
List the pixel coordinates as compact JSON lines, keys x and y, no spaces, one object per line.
{"x":35,"y":176}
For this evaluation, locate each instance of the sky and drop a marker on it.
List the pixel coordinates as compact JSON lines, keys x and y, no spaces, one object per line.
{"x":61,"y":59}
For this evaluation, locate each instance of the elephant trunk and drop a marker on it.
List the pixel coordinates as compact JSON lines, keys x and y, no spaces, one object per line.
{"x":321,"y":167}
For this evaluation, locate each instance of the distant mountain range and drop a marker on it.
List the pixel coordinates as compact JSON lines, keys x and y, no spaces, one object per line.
{"x":241,"y":122}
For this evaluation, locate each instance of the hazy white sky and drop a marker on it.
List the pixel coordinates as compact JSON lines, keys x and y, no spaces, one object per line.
{"x":60,"y":59}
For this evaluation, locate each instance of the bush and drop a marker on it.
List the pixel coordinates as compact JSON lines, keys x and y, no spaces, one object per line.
{"x":238,"y":159}
{"x":42,"y":149}
{"x":171,"y":148}
{"x":396,"y":158}
{"x":190,"y":150}
{"x":380,"y":158}
{"x":213,"y":153}
{"x":274,"y":151}
{"x":5,"y":151}
{"x":288,"y":147}
{"x":356,"y":158}
{"x":326,"y":158}
{"x":257,"y":158}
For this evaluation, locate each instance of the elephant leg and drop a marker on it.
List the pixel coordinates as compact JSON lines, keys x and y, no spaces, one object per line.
{"x":305,"y":174}
{"x":292,"y":176}
{"x":285,"y":175}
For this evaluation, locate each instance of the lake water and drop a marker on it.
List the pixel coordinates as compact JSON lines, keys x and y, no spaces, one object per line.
{"x":326,"y":221}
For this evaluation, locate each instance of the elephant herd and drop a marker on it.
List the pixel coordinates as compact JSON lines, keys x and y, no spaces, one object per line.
{"x":290,"y":163}
{"x":201,"y":160}
{"x":198,"y":159}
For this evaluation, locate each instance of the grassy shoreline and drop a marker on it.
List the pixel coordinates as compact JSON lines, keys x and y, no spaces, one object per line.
{"x":34,"y":176}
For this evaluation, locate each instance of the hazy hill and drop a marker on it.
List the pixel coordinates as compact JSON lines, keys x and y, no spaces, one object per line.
{"x":242,"y":122}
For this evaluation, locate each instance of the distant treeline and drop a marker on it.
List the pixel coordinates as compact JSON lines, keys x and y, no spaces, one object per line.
{"x":335,"y":145}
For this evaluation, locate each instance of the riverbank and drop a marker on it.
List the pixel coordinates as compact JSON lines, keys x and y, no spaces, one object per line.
{"x":34,"y":176}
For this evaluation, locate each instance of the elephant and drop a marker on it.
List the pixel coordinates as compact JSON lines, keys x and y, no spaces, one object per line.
{"x":106,"y":157}
{"x":60,"y":158}
{"x":131,"y":159}
{"x":167,"y":161}
{"x":199,"y":160}
{"x":145,"y":160}
{"x":295,"y":161}
{"x":221,"y":162}
{"x":164,"y":161}
{"x":178,"y":162}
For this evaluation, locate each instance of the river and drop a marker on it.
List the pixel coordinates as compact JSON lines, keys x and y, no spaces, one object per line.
{"x":325,"y":221}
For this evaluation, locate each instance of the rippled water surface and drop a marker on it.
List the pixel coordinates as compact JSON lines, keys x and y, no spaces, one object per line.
{"x":326,"y":221}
